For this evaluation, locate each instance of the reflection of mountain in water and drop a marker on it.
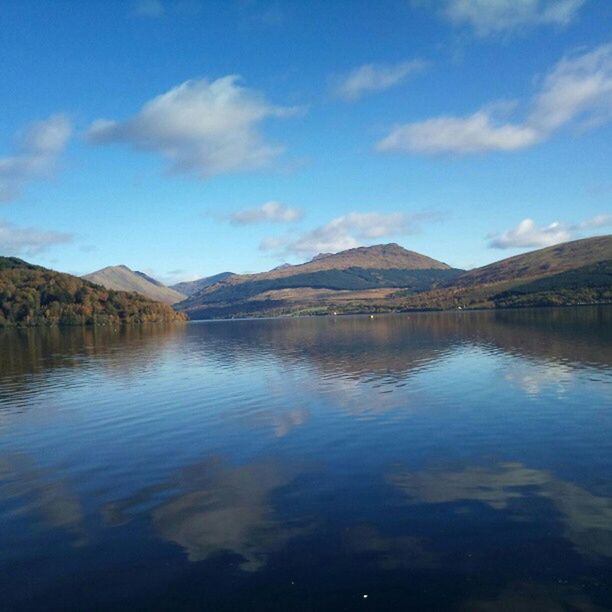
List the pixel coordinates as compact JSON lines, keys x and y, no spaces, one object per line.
{"x":394,"y":345}
{"x":586,"y":518}
{"x":354,"y":346}
{"x":52,"y":354}
{"x":215,"y":508}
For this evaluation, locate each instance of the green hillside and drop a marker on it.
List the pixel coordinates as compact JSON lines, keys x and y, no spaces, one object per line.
{"x":32,"y":295}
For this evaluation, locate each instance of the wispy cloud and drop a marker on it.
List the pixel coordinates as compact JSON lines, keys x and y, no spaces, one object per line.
{"x":527,"y":234}
{"x":36,"y":155}
{"x":374,"y":77}
{"x":578,"y":89}
{"x":201,"y":127}
{"x":595,"y":222}
{"x":28,"y":240}
{"x":347,"y":232}
{"x":490,"y":17}
{"x":269,"y":212}
{"x":155,"y":9}
{"x":149,"y":8}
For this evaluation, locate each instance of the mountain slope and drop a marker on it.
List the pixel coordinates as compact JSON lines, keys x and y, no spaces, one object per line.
{"x":380,"y":256}
{"x":292,"y":288}
{"x":121,"y":278}
{"x":574,"y":272}
{"x":33,"y":295}
{"x":543,"y":262}
{"x":188,"y":288}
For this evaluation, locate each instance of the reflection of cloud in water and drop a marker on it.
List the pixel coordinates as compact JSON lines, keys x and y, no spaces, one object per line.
{"x":39,"y":493}
{"x":284,"y":422}
{"x":535,"y":598}
{"x":218,"y":509}
{"x":388,"y":552}
{"x":586,"y":518}
{"x":533,"y":378}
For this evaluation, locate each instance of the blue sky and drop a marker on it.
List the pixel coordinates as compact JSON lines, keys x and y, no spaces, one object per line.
{"x":188,"y":137}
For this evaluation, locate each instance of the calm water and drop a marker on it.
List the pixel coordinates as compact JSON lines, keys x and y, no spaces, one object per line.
{"x":430,"y":462}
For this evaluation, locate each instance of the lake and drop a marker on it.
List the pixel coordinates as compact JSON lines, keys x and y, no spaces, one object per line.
{"x":444,"y":461}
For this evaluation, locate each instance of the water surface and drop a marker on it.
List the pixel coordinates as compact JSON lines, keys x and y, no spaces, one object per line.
{"x":456,"y":461}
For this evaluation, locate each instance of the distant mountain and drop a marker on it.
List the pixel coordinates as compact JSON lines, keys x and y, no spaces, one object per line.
{"x":121,"y":278}
{"x":298,"y":288}
{"x":281,"y":267}
{"x":32,"y":295}
{"x":188,"y":288}
{"x":388,"y":278}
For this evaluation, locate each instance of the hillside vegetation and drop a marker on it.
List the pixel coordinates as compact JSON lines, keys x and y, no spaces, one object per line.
{"x":32,"y":295}
{"x":121,"y":278}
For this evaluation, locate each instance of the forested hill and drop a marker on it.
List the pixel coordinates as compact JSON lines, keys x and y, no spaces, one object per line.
{"x":33,"y":295}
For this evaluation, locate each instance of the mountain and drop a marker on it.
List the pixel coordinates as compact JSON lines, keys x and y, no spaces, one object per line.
{"x":388,"y":278}
{"x":543,"y":262}
{"x":121,"y":278}
{"x":188,"y":288}
{"x":353,"y":274}
{"x":149,"y":278}
{"x":33,"y":295}
{"x":574,"y":272}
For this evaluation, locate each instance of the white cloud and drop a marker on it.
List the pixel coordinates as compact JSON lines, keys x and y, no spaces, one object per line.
{"x":474,"y":134}
{"x":528,"y":234}
{"x":578,"y":89}
{"x":27,"y":240}
{"x":202,"y":127}
{"x":495,"y":16}
{"x":374,"y":77}
{"x":38,"y":150}
{"x":347,"y":232}
{"x":272,"y":212}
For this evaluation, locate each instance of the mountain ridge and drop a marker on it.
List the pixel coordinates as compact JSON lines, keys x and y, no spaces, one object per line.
{"x":188,"y":288}
{"x":577,"y":272}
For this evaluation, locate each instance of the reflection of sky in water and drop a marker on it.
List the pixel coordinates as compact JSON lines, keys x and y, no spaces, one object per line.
{"x":464,"y":456}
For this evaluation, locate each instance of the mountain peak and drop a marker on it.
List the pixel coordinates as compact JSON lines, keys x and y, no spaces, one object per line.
{"x":122,"y":278}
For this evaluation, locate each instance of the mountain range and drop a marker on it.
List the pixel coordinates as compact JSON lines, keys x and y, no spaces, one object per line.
{"x":379,"y":278}
{"x":354,"y":274}
{"x":388,"y":277}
